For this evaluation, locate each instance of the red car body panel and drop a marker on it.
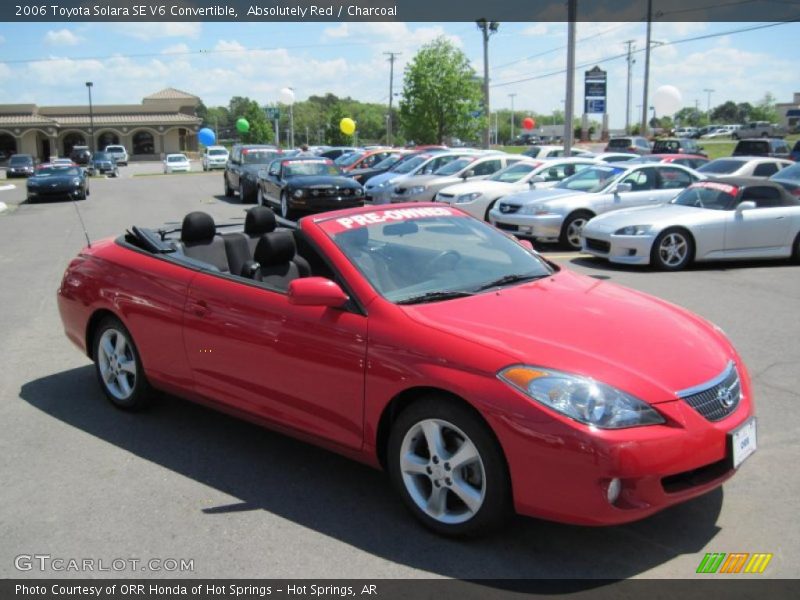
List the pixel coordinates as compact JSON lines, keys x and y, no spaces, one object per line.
{"x":328,"y":375}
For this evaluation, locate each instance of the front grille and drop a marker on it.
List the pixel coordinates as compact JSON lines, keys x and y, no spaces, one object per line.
{"x":702,"y":475}
{"x":399,"y":191}
{"x":718,"y":398}
{"x":446,"y":196}
{"x":598,"y":245}
{"x":508,"y":209}
{"x":507,"y":226}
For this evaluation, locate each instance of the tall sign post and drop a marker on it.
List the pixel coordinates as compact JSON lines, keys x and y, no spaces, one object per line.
{"x":595,"y":82}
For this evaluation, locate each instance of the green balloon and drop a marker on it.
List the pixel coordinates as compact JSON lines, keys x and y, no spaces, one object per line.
{"x":242,"y":125}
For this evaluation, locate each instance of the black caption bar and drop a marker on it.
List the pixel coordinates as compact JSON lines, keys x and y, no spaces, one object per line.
{"x":396,"y":10}
{"x":392,"y":589}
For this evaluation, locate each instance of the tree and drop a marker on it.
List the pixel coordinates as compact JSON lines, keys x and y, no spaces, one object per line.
{"x":765,"y":110}
{"x":689,"y":116}
{"x":725,"y":113}
{"x":333,"y":133}
{"x":440,"y":95}
{"x":260,"y":131}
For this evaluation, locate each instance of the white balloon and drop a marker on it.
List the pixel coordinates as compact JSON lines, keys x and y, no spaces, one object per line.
{"x":287,"y":96}
{"x":667,"y":100}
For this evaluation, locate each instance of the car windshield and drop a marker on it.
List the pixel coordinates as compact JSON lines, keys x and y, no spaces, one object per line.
{"x":345,"y":160}
{"x":176,"y":158}
{"x":722,"y":166}
{"x":746,"y":147}
{"x":620,"y":143}
{"x":666,"y":146}
{"x":454,"y":167}
{"x":20,"y":160}
{"x":101,"y":156}
{"x":255,"y":156}
{"x":218,"y":152}
{"x":428,"y":254}
{"x":708,"y":194}
{"x":47,"y":171}
{"x":409,"y":165}
{"x":387,"y":162}
{"x":309,"y":167}
{"x":115,"y":149}
{"x":513,"y":173}
{"x":592,"y":179}
{"x":790,"y":173}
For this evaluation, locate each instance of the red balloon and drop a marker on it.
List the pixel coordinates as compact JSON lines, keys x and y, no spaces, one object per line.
{"x":528,"y":123}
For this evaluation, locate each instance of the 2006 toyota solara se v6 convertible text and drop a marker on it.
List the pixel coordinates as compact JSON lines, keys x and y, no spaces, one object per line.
{"x":419,"y":339}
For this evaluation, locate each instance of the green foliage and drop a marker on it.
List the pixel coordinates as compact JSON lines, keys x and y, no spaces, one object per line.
{"x":439,"y":93}
{"x":260,"y":129}
{"x":765,"y":110}
{"x":333,"y":134}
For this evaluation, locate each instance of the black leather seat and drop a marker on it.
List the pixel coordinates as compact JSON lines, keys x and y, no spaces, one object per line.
{"x":201,"y":242}
{"x":355,"y":243}
{"x":275,"y":253}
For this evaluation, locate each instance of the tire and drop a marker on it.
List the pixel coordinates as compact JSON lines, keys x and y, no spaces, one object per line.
{"x":205,"y":168}
{"x":570,"y":230}
{"x":243,"y":197}
{"x":228,"y":189}
{"x":286,"y":211}
{"x":489,"y":209}
{"x":425,"y":476}
{"x":796,"y":249}
{"x":260,"y":197}
{"x":672,"y":250}
{"x":119,"y":367}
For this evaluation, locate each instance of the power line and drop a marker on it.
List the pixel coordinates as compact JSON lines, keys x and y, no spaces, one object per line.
{"x":625,"y":54}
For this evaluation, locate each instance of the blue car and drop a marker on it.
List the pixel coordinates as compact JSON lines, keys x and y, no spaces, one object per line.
{"x":103,"y":163}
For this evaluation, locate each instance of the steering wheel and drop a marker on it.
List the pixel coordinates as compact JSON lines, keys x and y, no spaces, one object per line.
{"x":447,"y":260}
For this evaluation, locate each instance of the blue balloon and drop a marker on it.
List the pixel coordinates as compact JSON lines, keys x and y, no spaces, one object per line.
{"x":206,"y":136}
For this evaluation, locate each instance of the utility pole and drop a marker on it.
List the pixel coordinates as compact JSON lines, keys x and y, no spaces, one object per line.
{"x":487,"y":28}
{"x":512,"y":115}
{"x":631,"y":61}
{"x":643,"y":129}
{"x":572,"y":14}
{"x":392,"y":56}
{"x":708,"y":105}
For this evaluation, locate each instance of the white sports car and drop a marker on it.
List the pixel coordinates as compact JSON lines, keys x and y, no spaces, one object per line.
{"x":722,"y":219}
{"x":478,"y":197}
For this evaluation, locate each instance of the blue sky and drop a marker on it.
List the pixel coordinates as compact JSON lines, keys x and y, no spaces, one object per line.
{"x":258,"y":59}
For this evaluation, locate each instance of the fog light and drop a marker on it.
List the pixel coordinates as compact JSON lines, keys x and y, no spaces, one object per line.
{"x":631,"y":251}
{"x":614,"y":488}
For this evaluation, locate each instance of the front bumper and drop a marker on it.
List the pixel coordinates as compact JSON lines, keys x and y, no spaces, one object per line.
{"x":59,"y":192}
{"x":622,"y":249}
{"x":425,"y":196}
{"x":18,"y":173}
{"x":216,"y":165}
{"x":322,"y":204}
{"x":541,"y":227}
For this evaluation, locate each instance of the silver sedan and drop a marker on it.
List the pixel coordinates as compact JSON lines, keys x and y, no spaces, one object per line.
{"x":560,"y":213}
{"x":722,"y":219}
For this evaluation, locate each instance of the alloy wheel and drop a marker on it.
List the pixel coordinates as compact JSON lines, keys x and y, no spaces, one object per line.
{"x":117,"y":363}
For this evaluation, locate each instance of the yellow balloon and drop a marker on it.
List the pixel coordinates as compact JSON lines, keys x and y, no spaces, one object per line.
{"x":348,"y":126}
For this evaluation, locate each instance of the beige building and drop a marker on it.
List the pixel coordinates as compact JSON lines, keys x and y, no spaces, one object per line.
{"x":164,"y":122}
{"x":790,"y":113}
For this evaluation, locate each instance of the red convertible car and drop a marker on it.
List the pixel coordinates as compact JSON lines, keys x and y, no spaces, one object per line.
{"x":420,"y":340}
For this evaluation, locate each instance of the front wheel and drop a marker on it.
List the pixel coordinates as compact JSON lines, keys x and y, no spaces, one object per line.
{"x":119,"y":367}
{"x":228,"y":188}
{"x":286,"y":211}
{"x":672,"y":250}
{"x":448,"y":468}
{"x":572,"y":228}
{"x":260,"y":197}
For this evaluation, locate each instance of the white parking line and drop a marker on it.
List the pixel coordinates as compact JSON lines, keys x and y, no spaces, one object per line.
{"x":10,"y":186}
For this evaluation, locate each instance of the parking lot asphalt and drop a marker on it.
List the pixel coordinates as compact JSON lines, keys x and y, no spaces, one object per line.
{"x":83,"y":480}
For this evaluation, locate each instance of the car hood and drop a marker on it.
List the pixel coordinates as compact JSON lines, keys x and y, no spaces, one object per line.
{"x":660,"y":215}
{"x":379,"y":179}
{"x":416,"y":180}
{"x":574,"y":323}
{"x":539,"y":194}
{"x":56,"y":179}
{"x":483,"y":186}
{"x":322,"y":180}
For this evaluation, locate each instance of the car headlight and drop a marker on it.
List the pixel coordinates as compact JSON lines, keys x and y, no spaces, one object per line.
{"x":417,"y":189}
{"x":76,"y":181}
{"x":581,"y":398}
{"x":358,"y":192}
{"x":536,"y":209}
{"x":634,"y":230}
{"x":463,"y":198}
{"x":298,"y":193}
{"x":32,"y":183}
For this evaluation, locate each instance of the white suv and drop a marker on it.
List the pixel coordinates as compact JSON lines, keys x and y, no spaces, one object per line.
{"x":118,"y":153}
{"x":215,"y":157}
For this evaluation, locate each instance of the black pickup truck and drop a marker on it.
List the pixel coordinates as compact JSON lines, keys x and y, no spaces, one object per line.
{"x":244,"y":163}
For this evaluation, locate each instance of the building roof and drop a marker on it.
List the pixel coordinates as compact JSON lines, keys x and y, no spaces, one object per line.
{"x":171,"y":94}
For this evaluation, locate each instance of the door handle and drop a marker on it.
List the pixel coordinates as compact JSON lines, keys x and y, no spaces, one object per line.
{"x":199,"y":308}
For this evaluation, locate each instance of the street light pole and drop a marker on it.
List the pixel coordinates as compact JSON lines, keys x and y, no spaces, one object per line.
{"x":572,"y":14}
{"x":645,"y":104}
{"x":392,"y":58}
{"x":708,"y":105}
{"x":628,"y":96}
{"x":512,"y":115}
{"x":487,"y":28}
{"x":89,"y":85}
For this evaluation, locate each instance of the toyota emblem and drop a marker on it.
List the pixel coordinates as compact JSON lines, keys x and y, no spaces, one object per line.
{"x":725,"y":397}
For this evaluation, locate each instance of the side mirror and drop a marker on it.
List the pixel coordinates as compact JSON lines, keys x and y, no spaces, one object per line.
{"x":468,"y":174}
{"x":316,"y":291}
{"x":622,"y":188}
{"x":746,"y":205}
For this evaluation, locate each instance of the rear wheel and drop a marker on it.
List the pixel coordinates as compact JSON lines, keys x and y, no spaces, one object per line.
{"x":448,"y":468}
{"x":796,"y":249}
{"x":119,"y":367}
{"x":673,"y":250}
{"x":570,"y":236}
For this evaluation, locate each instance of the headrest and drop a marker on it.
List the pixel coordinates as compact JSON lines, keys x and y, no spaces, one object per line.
{"x":275,"y":248}
{"x":355,"y":238}
{"x":197,"y":227}
{"x":259,"y":220}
